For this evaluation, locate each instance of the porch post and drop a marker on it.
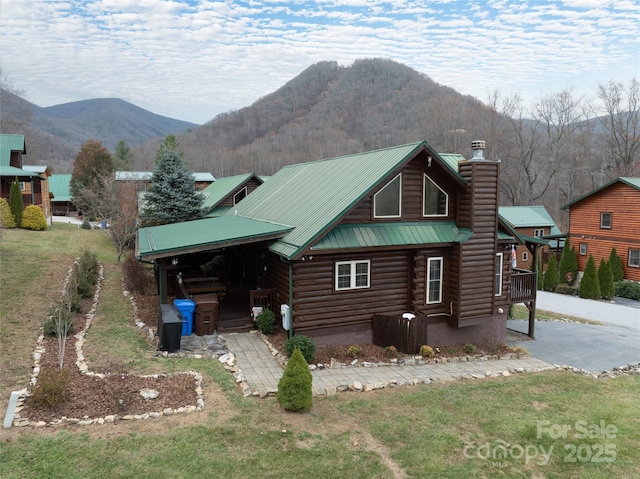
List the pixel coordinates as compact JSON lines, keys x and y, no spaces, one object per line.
{"x":532,"y":304}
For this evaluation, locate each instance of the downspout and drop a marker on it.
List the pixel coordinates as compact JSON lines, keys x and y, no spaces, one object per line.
{"x":291,"y":297}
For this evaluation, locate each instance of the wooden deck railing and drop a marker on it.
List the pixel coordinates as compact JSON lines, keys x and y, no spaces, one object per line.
{"x":523,"y":285}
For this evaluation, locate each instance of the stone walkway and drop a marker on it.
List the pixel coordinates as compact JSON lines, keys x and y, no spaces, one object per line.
{"x":261,"y":371}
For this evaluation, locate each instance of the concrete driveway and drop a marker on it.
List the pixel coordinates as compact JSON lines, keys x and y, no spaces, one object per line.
{"x":585,"y":346}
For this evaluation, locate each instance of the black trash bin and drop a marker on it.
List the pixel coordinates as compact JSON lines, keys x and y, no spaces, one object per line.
{"x":169,"y":328}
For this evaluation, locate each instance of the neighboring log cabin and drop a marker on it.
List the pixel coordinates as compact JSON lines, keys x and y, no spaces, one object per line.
{"x":33,"y":180}
{"x":605,"y":218}
{"x":225,"y":193}
{"x":392,"y":232}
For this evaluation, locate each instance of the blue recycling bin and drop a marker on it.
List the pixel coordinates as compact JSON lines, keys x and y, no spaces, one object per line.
{"x":186,"y":308}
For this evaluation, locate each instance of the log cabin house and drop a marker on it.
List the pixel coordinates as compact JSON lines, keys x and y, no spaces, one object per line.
{"x":33,"y":180}
{"x":534,"y":221}
{"x":605,"y":218}
{"x":402,"y":231}
{"x":225,"y":193}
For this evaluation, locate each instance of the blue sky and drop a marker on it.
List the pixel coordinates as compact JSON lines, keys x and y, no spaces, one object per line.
{"x":194,"y":59}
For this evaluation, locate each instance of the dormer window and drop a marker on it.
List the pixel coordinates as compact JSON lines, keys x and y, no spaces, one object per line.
{"x":239,"y":196}
{"x":387,"y":203}
{"x":436,"y":201}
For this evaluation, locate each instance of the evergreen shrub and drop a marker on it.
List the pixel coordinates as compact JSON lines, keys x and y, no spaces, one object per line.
{"x":551,"y":278}
{"x":590,"y":285}
{"x":616,"y":266}
{"x":295,"y":391}
{"x":354,"y":351}
{"x":306,"y":346}
{"x":564,"y":288}
{"x":266,"y":321}
{"x":426,"y":351}
{"x":605,"y":277}
{"x":628,"y":289}
{"x":6,"y":217}
{"x":15,"y":202}
{"x":33,"y":219}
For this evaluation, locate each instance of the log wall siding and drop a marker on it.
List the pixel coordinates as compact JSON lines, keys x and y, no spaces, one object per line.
{"x":623,"y":202}
{"x":316,"y":303}
{"x":419,"y":283}
{"x":277,"y":276}
{"x":412,"y":194}
{"x":479,"y":212}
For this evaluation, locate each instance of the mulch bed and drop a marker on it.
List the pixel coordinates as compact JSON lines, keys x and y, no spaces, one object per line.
{"x":116,"y":394}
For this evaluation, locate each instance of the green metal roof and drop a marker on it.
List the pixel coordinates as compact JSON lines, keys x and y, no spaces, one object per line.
{"x":511,"y":233}
{"x":59,"y":186}
{"x":201,"y":235}
{"x":392,"y":234}
{"x":530,"y":217}
{"x":313,"y":196}
{"x":218,"y":211}
{"x":452,"y":159}
{"x":222,"y":188}
{"x":633,"y":182}
{"x":13,"y":171}
{"x":9,"y":143}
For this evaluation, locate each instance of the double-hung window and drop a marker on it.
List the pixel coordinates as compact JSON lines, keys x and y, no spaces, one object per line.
{"x":634,"y":258}
{"x":605,"y":220}
{"x":498,"y":285}
{"x":434,"y":280}
{"x":352,"y":274}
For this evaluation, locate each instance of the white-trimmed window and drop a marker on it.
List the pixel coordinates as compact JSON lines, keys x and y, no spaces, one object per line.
{"x":538,"y":233}
{"x":240,"y":195}
{"x":583,"y":249}
{"x":634,"y":258}
{"x":605,"y":220}
{"x":498,"y":285}
{"x":436,"y":201}
{"x":352,"y":274}
{"x":434,"y":280}
{"x":387,"y":203}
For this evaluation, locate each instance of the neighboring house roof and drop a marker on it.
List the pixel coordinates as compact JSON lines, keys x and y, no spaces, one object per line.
{"x":9,"y":143}
{"x":222,"y":188}
{"x":529,"y":217}
{"x":59,"y":185}
{"x":511,"y":230}
{"x":42,"y":170}
{"x":630,"y":181}
{"x":313,"y":196}
{"x":146,"y":176}
{"x":202,"y":235}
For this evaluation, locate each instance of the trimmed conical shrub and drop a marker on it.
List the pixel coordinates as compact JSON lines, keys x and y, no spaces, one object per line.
{"x":33,"y":219}
{"x":551,"y":279}
{"x":616,"y":266}
{"x":605,"y":277}
{"x":565,"y":263}
{"x":6,"y":217}
{"x":15,"y":202}
{"x":590,"y":285}
{"x":295,"y":392}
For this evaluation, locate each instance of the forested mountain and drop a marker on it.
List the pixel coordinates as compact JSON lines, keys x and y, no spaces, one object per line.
{"x":55,"y":134}
{"x":328,"y":111}
{"x":551,"y":151}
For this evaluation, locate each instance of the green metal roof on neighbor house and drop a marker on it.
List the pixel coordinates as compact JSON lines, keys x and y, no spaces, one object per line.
{"x":633,"y":182}
{"x":222,"y":188}
{"x":392,"y":234}
{"x":313,"y":196}
{"x":202,"y":235}
{"x":529,"y":217}
{"x":9,"y":143}
{"x":59,"y":186}
{"x":511,"y":233}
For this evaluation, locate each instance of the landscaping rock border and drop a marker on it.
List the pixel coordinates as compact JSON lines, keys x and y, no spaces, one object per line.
{"x":15,"y":418}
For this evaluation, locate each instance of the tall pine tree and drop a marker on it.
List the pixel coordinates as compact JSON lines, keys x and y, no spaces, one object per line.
{"x":565,"y":262}
{"x":172,"y":196}
{"x":551,"y":279}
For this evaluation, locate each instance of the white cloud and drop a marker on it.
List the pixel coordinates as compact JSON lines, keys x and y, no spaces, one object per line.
{"x":194,"y":60}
